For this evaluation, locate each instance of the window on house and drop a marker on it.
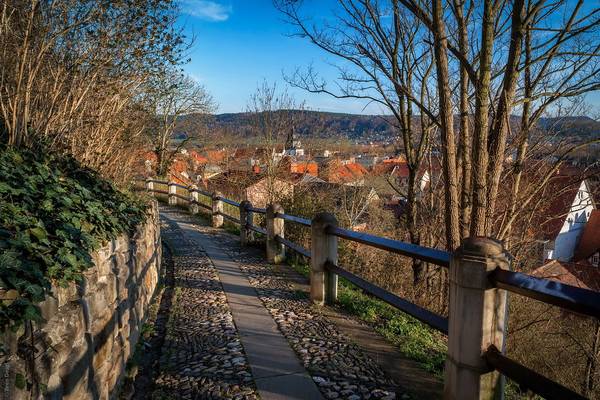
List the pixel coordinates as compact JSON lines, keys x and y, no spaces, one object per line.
{"x":595,"y":259}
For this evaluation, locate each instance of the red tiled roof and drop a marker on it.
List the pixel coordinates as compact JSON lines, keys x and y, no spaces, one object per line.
{"x":580,"y":275}
{"x":308,"y":167}
{"x":397,"y":160}
{"x":400,"y":170}
{"x":179,"y":166}
{"x":346,"y":173}
{"x":198,"y":158}
{"x":590,"y":239}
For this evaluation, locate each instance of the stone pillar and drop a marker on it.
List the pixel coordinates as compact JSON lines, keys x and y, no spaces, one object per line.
{"x":275,"y":227}
{"x":477,"y":320}
{"x":323,"y":249}
{"x":172,"y":191}
{"x":217,"y":207}
{"x":150,"y":186}
{"x":194,"y":199}
{"x":246,"y":220}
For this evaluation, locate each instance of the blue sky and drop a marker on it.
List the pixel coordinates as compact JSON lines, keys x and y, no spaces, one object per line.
{"x":241,"y":43}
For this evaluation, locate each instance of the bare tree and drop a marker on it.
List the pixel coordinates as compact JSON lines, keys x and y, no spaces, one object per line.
{"x":71,"y":72}
{"x":487,"y":60}
{"x":506,"y":54}
{"x":171,"y":97}
{"x":274,"y":116}
{"x":385,"y":60}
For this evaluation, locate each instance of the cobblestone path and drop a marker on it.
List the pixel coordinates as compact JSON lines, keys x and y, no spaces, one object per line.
{"x":202,"y":356}
{"x":202,"y":324}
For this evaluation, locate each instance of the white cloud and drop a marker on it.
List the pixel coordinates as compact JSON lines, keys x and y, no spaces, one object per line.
{"x":207,"y":10}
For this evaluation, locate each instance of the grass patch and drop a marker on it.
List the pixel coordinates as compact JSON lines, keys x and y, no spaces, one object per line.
{"x":413,"y":338}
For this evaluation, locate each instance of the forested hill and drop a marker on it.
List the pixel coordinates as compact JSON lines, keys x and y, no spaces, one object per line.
{"x":371,"y":127}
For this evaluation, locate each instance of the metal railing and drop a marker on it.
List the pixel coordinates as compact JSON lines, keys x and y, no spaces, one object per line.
{"x":480,"y":275}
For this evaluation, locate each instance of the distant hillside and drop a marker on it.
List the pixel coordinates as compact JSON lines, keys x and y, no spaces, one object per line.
{"x":370,"y":127}
{"x":318,"y":124}
{"x":582,"y":127}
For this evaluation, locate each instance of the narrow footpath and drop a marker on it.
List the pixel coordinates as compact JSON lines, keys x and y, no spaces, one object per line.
{"x":238,"y":329}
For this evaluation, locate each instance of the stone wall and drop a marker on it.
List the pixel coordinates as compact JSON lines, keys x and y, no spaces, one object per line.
{"x":91,"y":327}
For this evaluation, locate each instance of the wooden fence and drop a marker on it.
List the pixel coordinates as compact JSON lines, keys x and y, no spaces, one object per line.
{"x":480,"y":277}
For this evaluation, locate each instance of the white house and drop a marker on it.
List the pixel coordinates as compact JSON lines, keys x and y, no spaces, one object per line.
{"x":569,"y":212}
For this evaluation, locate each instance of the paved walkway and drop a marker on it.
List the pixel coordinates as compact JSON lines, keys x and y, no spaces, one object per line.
{"x":276,"y":371}
{"x":238,"y":328}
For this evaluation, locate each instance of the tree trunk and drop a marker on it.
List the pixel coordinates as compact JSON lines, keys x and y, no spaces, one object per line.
{"x":482,"y":106}
{"x":500,"y":126}
{"x":465,"y":147}
{"x":523,"y":142}
{"x":411,"y":224}
{"x":447,"y":127}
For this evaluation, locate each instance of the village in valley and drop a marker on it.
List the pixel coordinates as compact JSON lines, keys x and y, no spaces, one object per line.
{"x":565,"y":239}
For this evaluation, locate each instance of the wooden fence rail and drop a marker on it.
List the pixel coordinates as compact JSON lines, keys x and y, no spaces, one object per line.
{"x":480,"y":277}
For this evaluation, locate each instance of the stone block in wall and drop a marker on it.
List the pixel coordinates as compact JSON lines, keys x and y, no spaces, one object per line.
{"x":66,"y":294}
{"x":63,"y":332}
{"x":108,"y":284}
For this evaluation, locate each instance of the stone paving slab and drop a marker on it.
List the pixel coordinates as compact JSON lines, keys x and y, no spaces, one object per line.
{"x":277,"y":372}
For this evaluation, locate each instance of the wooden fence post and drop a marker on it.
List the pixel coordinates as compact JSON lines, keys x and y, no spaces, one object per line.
{"x":323,"y":249}
{"x":217,"y":207}
{"x":275,"y":227}
{"x":150,"y":186}
{"x":194,"y":207}
{"x":172,"y":191}
{"x":246,"y":220}
{"x":477,"y":319}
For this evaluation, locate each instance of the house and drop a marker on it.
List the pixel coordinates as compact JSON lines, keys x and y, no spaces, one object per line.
{"x":324,"y":158}
{"x":150,"y":161}
{"x":588,"y":248}
{"x":257,"y":188}
{"x":574,"y":274}
{"x":351,"y":174}
{"x":304,"y":167}
{"x":398,"y":171}
{"x":367,"y":160}
{"x":198,"y":158}
{"x":565,"y":217}
{"x":216,"y":156}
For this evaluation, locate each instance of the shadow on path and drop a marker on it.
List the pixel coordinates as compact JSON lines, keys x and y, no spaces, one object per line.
{"x":149,"y":348}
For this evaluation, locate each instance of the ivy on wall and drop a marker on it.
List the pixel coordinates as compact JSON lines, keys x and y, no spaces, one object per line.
{"x":53,"y":214}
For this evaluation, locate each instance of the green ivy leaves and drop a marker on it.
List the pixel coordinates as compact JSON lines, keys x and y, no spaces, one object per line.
{"x":53,"y":214}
